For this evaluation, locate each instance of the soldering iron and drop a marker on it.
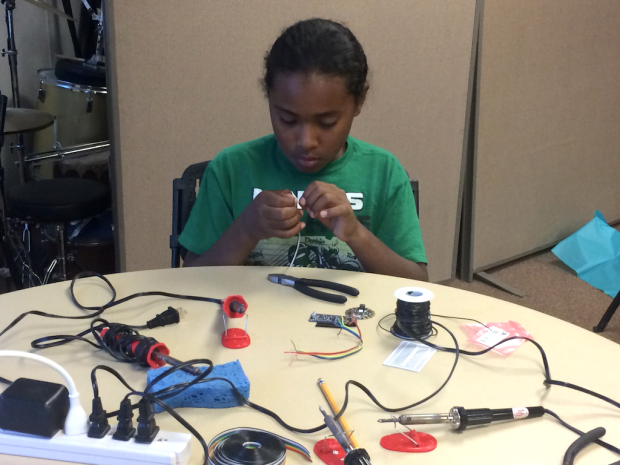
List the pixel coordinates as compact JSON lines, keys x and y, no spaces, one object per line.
{"x":460,"y":418}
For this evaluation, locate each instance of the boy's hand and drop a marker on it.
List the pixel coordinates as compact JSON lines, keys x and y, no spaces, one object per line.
{"x":330,"y":206}
{"x":272,"y":214}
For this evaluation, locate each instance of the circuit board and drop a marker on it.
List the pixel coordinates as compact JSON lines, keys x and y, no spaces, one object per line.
{"x":328,"y":321}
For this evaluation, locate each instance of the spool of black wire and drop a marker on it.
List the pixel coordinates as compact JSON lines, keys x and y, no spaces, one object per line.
{"x":413,"y":313}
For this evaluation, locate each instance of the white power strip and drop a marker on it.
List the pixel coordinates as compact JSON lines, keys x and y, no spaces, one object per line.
{"x":167,"y":448}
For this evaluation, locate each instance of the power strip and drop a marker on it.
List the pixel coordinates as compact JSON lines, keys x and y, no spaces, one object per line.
{"x":167,"y":448}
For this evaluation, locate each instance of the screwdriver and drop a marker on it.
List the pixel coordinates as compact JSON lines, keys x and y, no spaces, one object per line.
{"x":460,"y":418}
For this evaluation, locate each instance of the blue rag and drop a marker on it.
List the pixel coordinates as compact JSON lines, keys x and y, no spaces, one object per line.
{"x":214,"y":394}
{"x":594,"y":253}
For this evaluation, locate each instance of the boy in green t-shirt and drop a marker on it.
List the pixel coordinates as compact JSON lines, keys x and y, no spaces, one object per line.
{"x":309,"y":195}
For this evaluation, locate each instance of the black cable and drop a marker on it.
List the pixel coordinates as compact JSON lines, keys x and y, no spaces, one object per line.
{"x":581,"y":443}
{"x":456,"y":350}
{"x":460,"y":318}
{"x":604,"y":444}
{"x":547,"y":373}
{"x":5,"y":381}
{"x":97,"y":311}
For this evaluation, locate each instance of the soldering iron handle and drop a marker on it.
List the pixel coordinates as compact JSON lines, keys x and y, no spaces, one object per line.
{"x":484,"y":416}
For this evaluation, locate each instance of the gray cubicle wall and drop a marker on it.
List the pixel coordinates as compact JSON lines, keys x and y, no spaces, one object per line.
{"x":548,"y":137}
{"x":185,"y":79}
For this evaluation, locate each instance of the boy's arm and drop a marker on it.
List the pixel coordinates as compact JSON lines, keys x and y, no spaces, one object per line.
{"x":270,"y":214}
{"x":232,"y":248}
{"x":330,"y":205}
{"x":376,"y":257}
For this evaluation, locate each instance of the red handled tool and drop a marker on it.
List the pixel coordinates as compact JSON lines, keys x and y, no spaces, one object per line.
{"x":235,"y":306}
{"x":157,"y":354}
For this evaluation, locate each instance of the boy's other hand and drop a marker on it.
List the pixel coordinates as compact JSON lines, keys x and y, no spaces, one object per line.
{"x":330,"y":205}
{"x":272,"y":214}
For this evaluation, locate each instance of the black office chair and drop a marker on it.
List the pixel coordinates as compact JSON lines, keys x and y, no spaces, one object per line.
{"x":615,"y":304}
{"x":184,"y":197}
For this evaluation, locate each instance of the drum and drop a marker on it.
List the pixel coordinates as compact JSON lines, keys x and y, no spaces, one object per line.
{"x":81,"y":113}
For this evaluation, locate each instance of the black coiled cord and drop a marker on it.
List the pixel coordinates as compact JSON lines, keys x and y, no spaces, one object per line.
{"x":116,"y":341}
{"x":412,"y":318}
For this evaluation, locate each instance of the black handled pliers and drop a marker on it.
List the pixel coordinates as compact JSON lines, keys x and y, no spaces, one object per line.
{"x":305,"y":287}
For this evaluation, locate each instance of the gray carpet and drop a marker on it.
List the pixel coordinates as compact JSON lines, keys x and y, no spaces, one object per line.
{"x":550,"y":287}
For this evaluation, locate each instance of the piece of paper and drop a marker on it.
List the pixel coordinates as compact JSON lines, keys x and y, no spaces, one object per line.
{"x":492,"y":336}
{"x":594,"y":253}
{"x":410,"y":356}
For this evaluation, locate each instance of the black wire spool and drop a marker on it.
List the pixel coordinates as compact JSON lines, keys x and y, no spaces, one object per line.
{"x":247,"y":447}
{"x":413,"y":313}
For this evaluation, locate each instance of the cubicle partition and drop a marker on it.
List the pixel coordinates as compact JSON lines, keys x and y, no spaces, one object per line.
{"x":185,"y":85}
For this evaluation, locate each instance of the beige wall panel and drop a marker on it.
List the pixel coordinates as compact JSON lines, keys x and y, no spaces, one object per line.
{"x":548,"y":140}
{"x":187,"y":86}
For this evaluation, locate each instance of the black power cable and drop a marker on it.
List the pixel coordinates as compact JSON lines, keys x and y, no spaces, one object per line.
{"x":98,"y":310}
{"x":604,"y":444}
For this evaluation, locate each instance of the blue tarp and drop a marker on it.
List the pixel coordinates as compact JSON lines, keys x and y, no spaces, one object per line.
{"x":594,"y":253}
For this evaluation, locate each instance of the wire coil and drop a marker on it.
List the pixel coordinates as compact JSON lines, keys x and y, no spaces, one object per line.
{"x":413,"y":313}
{"x":245,"y":446}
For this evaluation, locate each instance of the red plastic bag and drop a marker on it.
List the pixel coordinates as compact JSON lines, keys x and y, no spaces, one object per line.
{"x":496,"y":332}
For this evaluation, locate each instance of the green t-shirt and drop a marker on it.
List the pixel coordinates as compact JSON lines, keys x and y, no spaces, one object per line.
{"x":376,"y":184}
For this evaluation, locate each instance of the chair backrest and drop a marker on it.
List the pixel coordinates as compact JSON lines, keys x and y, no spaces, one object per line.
{"x":183,"y":199}
{"x":3,"y":105}
{"x":415,"y":187}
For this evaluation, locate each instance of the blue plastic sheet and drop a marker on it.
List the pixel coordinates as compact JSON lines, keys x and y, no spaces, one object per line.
{"x":594,"y":253}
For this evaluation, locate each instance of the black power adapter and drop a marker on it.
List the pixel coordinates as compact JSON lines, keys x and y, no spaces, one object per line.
{"x":34,"y":407}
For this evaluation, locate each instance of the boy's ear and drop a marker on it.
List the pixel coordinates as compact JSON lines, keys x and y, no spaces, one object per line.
{"x":361,"y":100}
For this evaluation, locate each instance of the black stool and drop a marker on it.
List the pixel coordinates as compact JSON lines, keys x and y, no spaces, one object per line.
{"x":58,"y":201}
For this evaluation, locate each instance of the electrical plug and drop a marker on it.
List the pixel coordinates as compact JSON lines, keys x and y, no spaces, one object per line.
{"x":169,"y":317}
{"x":99,"y":425}
{"x":147,"y":429}
{"x":124,"y":429}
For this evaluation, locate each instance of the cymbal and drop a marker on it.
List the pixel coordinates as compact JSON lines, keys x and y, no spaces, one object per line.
{"x":50,"y":8}
{"x":24,"y":120}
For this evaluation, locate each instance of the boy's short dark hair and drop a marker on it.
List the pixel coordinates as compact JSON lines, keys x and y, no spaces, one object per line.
{"x":318,"y":46}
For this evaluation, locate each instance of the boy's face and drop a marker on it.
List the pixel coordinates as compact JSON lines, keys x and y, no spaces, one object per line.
{"x":311,"y":117}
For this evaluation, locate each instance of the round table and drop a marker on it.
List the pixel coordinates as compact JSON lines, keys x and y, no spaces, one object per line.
{"x":278,"y":316}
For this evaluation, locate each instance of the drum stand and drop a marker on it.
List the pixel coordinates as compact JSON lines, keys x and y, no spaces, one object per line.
{"x":11,"y":52}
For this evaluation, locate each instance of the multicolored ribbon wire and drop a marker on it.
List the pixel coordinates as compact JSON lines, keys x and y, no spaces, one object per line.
{"x":251,"y":445}
{"x":336,"y":355}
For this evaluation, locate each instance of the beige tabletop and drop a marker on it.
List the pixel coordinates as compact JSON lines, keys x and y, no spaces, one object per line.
{"x":287,"y":384}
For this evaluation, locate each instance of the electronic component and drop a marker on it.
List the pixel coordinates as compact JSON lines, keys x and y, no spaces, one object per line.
{"x":329,"y":321}
{"x":360,"y":313}
{"x":460,"y":418}
{"x":34,"y":407}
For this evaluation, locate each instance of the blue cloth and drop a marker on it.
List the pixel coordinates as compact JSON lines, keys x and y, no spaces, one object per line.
{"x":594,"y":253}
{"x":214,"y":394}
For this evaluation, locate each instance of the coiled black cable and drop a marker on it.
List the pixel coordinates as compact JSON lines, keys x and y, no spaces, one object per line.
{"x":117,"y":341}
{"x":412,"y":318}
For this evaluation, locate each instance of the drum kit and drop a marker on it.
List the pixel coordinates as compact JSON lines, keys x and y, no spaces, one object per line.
{"x":68,"y":131}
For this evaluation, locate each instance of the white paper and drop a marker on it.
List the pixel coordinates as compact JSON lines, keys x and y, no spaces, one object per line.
{"x":410,"y":356}
{"x":493,"y":335}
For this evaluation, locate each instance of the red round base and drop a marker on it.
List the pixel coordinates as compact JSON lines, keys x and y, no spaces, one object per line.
{"x":401,"y":442}
{"x":235,"y":338}
{"x":329,"y":451}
